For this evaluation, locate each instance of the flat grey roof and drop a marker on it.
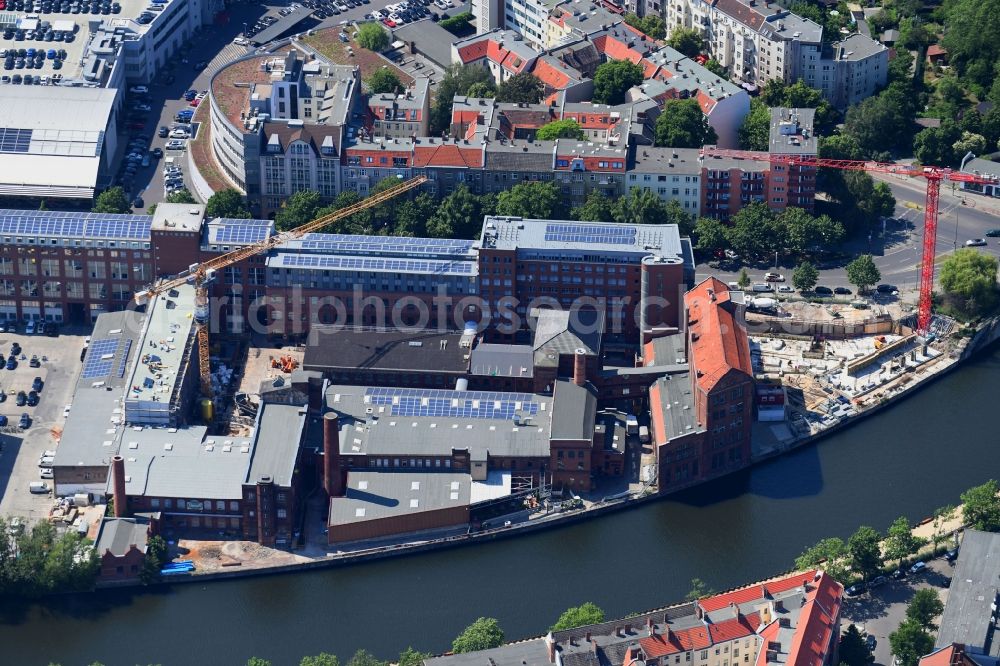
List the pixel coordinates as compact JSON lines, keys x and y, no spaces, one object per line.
{"x":680,"y":161}
{"x":330,"y":349}
{"x":531,"y":652}
{"x":974,"y":587}
{"x":119,"y":534}
{"x":857,"y":47}
{"x":497,"y":360}
{"x":92,"y":429}
{"x":677,"y":405}
{"x":281,"y":26}
{"x":573,"y":411}
{"x":279,"y":434}
{"x":792,"y":131}
{"x":378,"y":421}
{"x":161,"y":359}
{"x":432,"y":40}
{"x":515,"y":233}
{"x":375,"y":495}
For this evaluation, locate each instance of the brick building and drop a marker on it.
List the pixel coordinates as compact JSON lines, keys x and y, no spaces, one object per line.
{"x":121,"y":546}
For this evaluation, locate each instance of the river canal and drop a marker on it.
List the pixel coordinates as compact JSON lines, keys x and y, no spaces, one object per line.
{"x":909,"y":460}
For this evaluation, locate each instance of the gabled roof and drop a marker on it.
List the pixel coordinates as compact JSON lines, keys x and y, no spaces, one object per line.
{"x":718,"y":342}
{"x":817,"y":623}
{"x":554,"y":73}
{"x":446,"y":154}
{"x":700,"y":637}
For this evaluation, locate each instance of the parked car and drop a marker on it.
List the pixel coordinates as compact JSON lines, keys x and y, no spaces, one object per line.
{"x":855,"y":590}
{"x":785,"y":289}
{"x":175,"y":145}
{"x":886,"y":289}
{"x":877,"y":581}
{"x":3,"y":420}
{"x":975,"y":242}
{"x":823,"y":291}
{"x":45,"y":472}
{"x":870,"y":642}
{"x":24,"y":422}
{"x":32,"y":398}
{"x":993,"y":233}
{"x":918,"y":567}
{"x":34,"y":362}
{"x":157,"y":153}
{"x":30,"y":329}
{"x":951,"y":555}
{"x":841,"y":290}
{"x":139,"y":90}
{"x":163,"y":132}
{"x":22,"y":399}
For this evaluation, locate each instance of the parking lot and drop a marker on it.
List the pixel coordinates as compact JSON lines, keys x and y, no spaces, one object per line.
{"x":879,"y":612}
{"x":20,"y":449}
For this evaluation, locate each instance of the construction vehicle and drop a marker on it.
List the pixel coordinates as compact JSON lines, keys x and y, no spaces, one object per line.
{"x":202,"y":274}
{"x":933,"y":175}
{"x":284,"y":363}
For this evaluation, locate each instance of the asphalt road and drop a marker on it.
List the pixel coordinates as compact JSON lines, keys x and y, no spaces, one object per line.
{"x":881,"y":611}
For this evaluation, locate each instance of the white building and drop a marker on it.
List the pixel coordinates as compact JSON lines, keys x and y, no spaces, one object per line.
{"x":672,"y":174}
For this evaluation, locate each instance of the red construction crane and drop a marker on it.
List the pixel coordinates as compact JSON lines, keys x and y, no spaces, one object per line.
{"x":933,"y":175}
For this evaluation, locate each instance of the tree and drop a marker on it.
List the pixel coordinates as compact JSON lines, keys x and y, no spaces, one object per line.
{"x":981,"y":507}
{"x":972,"y":39}
{"x":372,"y":36}
{"x":969,"y":281}
{"x":840,"y":147}
{"x":754,"y":231}
{"x":882,"y":122}
{"x":716,"y":68}
{"x":970,"y":142}
{"x":910,"y":642}
{"x":298,"y":209}
{"x":457,"y":80}
{"x":642,"y":206}
{"x":365,"y":658}
{"x":535,"y":199}
{"x":865,"y":552}
{"x":743,"y":281}
{"x":524,"y":88}
{"x":699,"y":590}
{"x":482,"y":89}
{"x":321,"y":659}
{"x":578,"y":616}
{"x":227,"y":203}
{"x":151,"y":209}
{"x":935,"y":145}
{"x":805,"y":276}
{"x":411,"y":657}
{"x":112,"y":200}
{"x":456,"y":216}
{"x":560,"y":129}
{"x":853,"y":651}
{"x":924,"y":607}
{"x":900,"y":542}
{"x":942,"y":516}
{"x":597,"y":208}
{"x":863,"y":273}
{"x":412,"y":215}
{"x":458,"y":24}
{"x":613,"y":79}
{"x":181,"y":196}
{"x":257,"y":661}
{"x":686,"y":40}
{"x":650,"y":24}
{"x":156,"y":557}
{"x":384,"y":80}
{"x":681,"y":124}
{"x":710,"y":234}
{"x":804,"y":233}
{"x":483,"y":634}
{"x":828,"y":554}
{"x":755,"y":132}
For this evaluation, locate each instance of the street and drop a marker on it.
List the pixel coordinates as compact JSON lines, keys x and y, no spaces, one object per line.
{"x":881,"y":611}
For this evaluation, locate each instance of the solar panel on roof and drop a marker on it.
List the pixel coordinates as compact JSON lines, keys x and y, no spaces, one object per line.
{"x":387,"y":245}
{"x":591,"y":233}
{"x":123,"y":363}
{"x":96,"y":364}
{"x":454,"y":404}
{"x":75,"y":225}
{"x":439,"y":267}
{"x":14,"y":140}
{"x":241,"y":231}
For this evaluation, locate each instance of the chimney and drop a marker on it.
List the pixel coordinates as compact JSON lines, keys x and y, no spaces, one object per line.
{"x":580,"y":367}
{"x":118,"y":477}
{"x":735,"y":609}
{"x":331,"y":455}
{"x":588,"y":637}
{"x":550,"y":645}
{"x":651,"y":626}
{"x":699,"y":611}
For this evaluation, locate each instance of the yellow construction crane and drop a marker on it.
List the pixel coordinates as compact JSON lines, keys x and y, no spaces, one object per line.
{"x":201,"y":274}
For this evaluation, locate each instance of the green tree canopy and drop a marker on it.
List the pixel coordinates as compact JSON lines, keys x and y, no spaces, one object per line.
{"x":865,"y":552}
{"x":412,"y":215}
{"x":716,"y":68}
{"x":578,"y":616}
{"x":910,"y":642}
{"x":384,"y":80}
{"x":560,"y":129}
{"x":483,"y":634}
{"x":181,"y":196}
{"x":853,"y":651}
{"x":597,"y":208}
{"x":969,"y":281}
{"x":524,"y":88}
{"x":900,"y":542}
{"x":373,"y":36}
{"x":227,"y":203}
{"x":641,"y":206}
{"x":534,"y":199}
{"x":613,"y":79}
{"x":805,"y":276}
{"x":699,"y":590}
{"x":830,"y":554}
{"x":710,"y":234}
{"x":942,"y":516}
{"x":924,"y":607}
{"x":681,"y":124}
{"x":863,"y":273}
{"x":883,"y":122}
{"x":743,"y":281}
{"x":754,"y":231}
{"x":650,"y":24}
{"x":38,"y":561}
{"x":972,"y":37}
{"x":298,"y":209}
{"x":755,"y":132}
{"x":321,"y":659}
{"x":457,"y":80}
{"x":981,"y":507}
{"x":936,"y":145}
{"x":365,"y":658}
{"x":112,"y":200}
{"x":686,"y":40}
{"x":411,"y":657}
{"x":156,"y":557}
{"x":482,"y":89}
{"x":457,"y":216}
{"x":258,"y":661}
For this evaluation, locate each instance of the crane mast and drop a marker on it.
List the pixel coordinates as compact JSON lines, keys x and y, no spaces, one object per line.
{"x":201,"y":274}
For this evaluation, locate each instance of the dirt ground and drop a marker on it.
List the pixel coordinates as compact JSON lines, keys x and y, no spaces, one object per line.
{"x":222,"y":555}
{"x":258,"y":367}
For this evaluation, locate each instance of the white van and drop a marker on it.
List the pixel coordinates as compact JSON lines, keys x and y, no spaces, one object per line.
{"x":760,"y":286}
{"x":644,"y":434}
{"x":38,"y":488}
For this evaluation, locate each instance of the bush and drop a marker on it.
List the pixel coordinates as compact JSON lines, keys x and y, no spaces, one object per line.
{"x":457,"y":23}
{"x":372,"y":36}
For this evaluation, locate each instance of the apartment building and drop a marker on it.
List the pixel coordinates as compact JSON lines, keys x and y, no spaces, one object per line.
{"x":505,"y":53}
{"x":405,"y":114}
{"x":672,"y":174}
{"x":759,"y":41}
{"x":701,"y":420}
{"x":792,"y":619}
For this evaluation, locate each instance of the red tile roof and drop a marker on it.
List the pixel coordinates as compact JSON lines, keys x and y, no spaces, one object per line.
{"x":936,"y":50}
{"x":941,"y":657}
{"x":756,"y":591}
{"x":447,"y":155}
{"x":553,"y":77}
{"x":718,"y":342}
{"x":494,"y":51}
{"x":700,"y":637}
{"x":817,"y":623}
